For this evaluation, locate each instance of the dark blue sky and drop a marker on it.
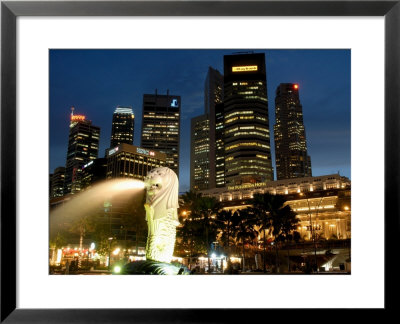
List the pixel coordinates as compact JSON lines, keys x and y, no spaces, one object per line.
{"x":96,"y":81}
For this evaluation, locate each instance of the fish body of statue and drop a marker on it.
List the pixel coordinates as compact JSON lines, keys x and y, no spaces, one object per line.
{"x":161,"y":213}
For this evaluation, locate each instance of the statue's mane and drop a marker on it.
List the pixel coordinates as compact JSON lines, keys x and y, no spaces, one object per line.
{"x":167,"y":197}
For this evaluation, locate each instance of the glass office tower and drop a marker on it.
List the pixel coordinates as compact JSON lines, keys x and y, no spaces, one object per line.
{"x":292,"y":160}
{"x":246,"y":123}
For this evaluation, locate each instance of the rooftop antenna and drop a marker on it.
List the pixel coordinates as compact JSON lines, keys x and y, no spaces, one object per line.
{"x":72,"y":111}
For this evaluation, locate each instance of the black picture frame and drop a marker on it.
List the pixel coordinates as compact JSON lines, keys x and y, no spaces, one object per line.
{"x":10,"y":10}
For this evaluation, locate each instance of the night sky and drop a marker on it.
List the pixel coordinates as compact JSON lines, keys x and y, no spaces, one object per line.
{"x":96,"y":81}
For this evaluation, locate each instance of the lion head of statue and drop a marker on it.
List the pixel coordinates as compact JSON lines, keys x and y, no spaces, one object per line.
{"x":162,"y":187}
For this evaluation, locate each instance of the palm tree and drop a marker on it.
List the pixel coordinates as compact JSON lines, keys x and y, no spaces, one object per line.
{"x":283,"y":224}
{"x":81,"y":226}
{"x":264,"y":208}
{"x":189,"y":237}
{"x":227,"y":222}
{"x":246,"y":232}
{"x":56,"y":243}
{"x":205,"y":208}
{"x":190,"y":199}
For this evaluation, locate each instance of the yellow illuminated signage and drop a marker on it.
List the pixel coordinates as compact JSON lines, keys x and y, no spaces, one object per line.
{"x":247,"y":186}
{"x":244,"y":68}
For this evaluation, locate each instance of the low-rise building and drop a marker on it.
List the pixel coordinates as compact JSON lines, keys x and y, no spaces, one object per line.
{"x":322,"y":203}
{"x":129,"y":161}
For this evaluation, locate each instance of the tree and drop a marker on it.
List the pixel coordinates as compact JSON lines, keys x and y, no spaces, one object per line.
{"x":283,"y":224}
{"x":190,"y":199}
{"x":246,"y":232}
{"x":204,"y":209}
{"x":82,"y":225}
{"x":227,"y":222}
{"x":264,"y":208}
{"x":57,"y":242}
{"x":190,"y":237}
{"x":101,"y":235}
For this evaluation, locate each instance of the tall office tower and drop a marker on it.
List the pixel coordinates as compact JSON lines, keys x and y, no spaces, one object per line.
{"x":57,"y":182}
{"x":203,"y":162}
{"x":83,"y":147}
{"x":123,"y":124}
{"x":200,"y":153}
{"x":246,"y":124}
{"x":219,"y":146}
{"x":291,"y":156}
{"x":160,"y":126}
{"x":213,"y":95}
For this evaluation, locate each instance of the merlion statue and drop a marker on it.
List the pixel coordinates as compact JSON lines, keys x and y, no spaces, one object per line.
{"x":161,"y":213}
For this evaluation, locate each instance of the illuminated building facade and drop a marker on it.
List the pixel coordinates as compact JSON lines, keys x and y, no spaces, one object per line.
{"x":57,"y":182}
{"x":83,"y":147}
{"x":291,"y":156}
{"x":93,"y":172}
{"x":219,"y":146}
{"x":206,"y":141}
{"x":160,"y":126}
{"x":246,"y":123}
{"x":200,"y":153}
{"x":128,"y":161}
{"x":122,"y":126}
{"x":213,"y":96}
{"x":322,"y":203}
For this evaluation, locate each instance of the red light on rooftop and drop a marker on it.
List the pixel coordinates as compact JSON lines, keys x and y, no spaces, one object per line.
{"x":296,"y":86}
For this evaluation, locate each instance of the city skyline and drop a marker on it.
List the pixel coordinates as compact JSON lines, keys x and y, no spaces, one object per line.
{"x":95,"y":82}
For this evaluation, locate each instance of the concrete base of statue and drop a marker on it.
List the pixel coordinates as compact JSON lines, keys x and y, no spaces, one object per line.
{"x":154,"y":267}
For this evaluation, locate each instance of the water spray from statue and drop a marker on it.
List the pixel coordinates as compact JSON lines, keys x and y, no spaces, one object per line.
{"x":161,"y":189}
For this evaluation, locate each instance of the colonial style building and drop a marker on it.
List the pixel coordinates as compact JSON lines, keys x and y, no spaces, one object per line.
{"x":322,"y":203}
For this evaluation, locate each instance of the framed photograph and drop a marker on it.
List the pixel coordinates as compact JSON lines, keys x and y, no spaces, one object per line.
{"x":37,"y":39}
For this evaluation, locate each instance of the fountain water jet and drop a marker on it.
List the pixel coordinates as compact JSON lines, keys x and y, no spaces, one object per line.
{"x":87,"y":201}
{"x":161,"y":187}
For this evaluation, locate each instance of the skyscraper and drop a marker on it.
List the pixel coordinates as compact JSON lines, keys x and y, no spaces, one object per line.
{"x":122,"y":126}
{"x":57,"y":183}
{"x":246,"y":123}
{"x":219,"y":146}
{"x":160,"y":126}
{"x":291,"y":156}
{"x":200,"y":153}
{"x":213,"y":90}
{"x":203,"y":163}
{"x":213,"y":96}
{"x":83,"y":147}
